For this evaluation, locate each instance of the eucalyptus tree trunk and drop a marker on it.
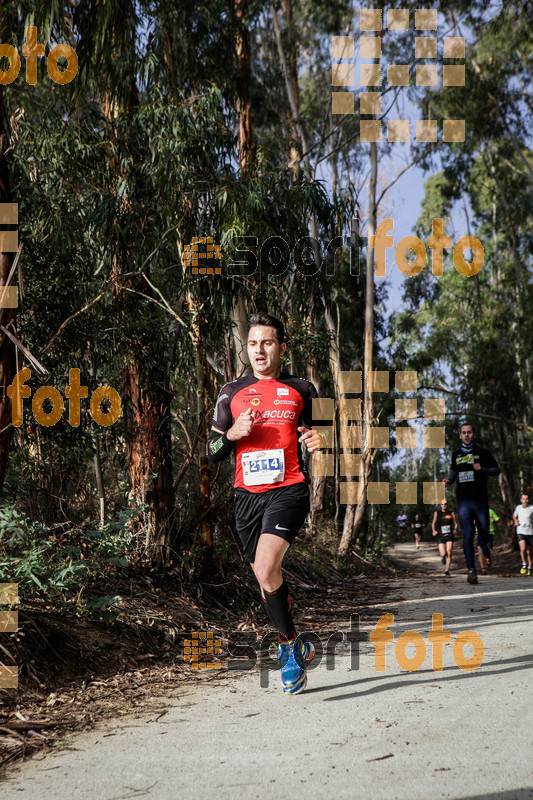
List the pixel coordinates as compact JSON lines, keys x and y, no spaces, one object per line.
{"x":245,"y":136}
{"x":99,"y":475}
{"x":509,"y":487}
{"x":247,"y":153}
{"x":201,"y":390}
{"x":146,"y":398}
{"x":295,"y":146}
{"x":298,"y":151}
{"x":339,"y":386}
{"x":239,"y":321}
{"x":7,"y":315}
{"x":318,"y":482}
{"x":148,"y":447}
{"x":353,"y":519}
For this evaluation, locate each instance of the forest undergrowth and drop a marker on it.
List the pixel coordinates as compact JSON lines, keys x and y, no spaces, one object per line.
{"x":98,"y":634}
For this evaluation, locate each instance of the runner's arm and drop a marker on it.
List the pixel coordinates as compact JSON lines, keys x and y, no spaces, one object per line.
{"x":491,"y":467}
{"x":308,"y":394}
{"x":313,"y":438}
{"x":491,"y":470}
{"x":452,"y":475}
{"x":218,"y":446}
{"x":453,"y":472}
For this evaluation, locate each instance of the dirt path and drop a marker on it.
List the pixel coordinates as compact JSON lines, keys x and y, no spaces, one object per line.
{"x":355,"y":733}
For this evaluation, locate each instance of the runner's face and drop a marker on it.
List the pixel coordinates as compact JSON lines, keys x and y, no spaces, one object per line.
{"x":264,"y":351}
{"x":467,"y":434}
{"x":525,"y":500}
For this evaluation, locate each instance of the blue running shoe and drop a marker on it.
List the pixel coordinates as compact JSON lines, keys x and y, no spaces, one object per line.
{"x":299,"y":686}
{"x":293,"y":657}
{"x":472,"y":576}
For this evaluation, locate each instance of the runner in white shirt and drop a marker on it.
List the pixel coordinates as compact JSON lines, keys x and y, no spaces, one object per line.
{"x":523,"y":519}
{"x":401,"y":521}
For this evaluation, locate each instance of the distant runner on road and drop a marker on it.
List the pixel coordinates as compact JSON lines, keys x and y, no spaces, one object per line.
{"x":523,"y":519}
{"x":445,"y":527}
{"x":259,"y":418}
{"x":471,"y":466}
{"x":418,"y":526}
{"x":401,"y":521}
{"x":493,"y":517}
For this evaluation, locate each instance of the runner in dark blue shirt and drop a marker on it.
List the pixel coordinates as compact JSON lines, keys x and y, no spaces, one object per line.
{"x":471,"y":466}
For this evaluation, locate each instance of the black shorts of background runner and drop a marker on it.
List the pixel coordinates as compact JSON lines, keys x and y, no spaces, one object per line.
{"x":442,"y":538}
{"x":279,"y":511}
{"x":491,"y":541}
{"x":526,"y":537}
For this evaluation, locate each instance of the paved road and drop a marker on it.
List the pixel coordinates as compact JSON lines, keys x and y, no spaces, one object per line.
{"x":355,"y":733}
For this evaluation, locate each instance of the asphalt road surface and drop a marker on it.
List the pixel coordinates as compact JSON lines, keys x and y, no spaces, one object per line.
{"x":354,"y":733}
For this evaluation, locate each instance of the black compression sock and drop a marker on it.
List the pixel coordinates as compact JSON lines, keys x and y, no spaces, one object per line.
{"x":278,"y":606}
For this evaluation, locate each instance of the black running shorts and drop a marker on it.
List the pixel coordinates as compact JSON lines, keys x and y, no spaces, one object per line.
{"x":279,"y":511}
{"x":442,"y":538}
{"x":527,"y":538}
{"x":490,"y":542}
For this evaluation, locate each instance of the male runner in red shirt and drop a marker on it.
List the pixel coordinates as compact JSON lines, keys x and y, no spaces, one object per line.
{"x":259,"y":417}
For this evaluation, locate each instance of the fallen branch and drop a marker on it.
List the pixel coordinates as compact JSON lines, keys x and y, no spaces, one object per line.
{"x":29,"y":724}
{"x":77,"y":314}
{"x":370,"y":564}
{"x":33,"y":361}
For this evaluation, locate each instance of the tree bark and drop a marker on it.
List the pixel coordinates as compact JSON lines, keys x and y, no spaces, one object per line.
{"x":239,"y":320}
{"x":354,"y":516}
{"x":318,"y":483}
{"x":147,"y":410}
{"x":507,"y":480}
{"x":206,"y":535}
{"x":148,"y":446}
{"x":245,"y":137}
{"x":336,"y":372}
{"x":99,"y":475}
{"x":294,"y":145}
{"x":7,"y":315}
{"x":247,"y":152}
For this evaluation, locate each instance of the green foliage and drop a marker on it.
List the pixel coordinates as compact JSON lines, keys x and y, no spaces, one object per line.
{"x":376,"y":553}
{"x":49,"y":565}
{"x":100,"y":607}
{"x":115,"y":174}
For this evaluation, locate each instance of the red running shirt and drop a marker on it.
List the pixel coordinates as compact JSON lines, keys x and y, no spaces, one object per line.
{"x":280,"y":406}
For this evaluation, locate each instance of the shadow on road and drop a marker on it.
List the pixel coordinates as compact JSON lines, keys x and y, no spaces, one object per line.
{"x":392,"y":683}
{"x":513,"y":794}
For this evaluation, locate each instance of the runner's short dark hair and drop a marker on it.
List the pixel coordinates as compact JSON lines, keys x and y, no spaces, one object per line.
{"x":272,"y":322}
{"x":470,"y":424}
